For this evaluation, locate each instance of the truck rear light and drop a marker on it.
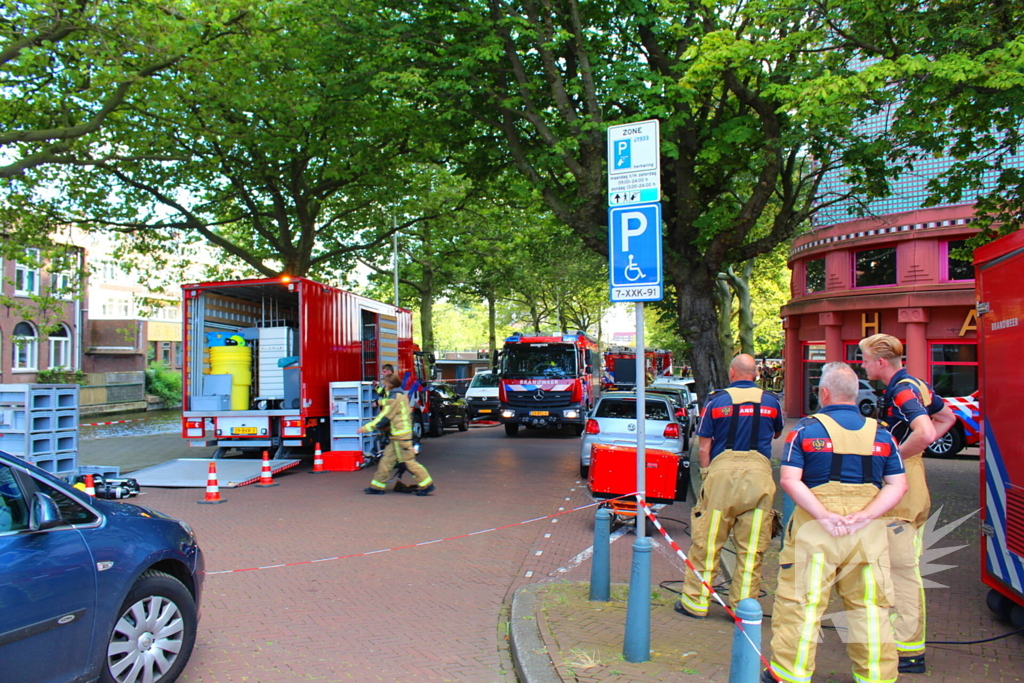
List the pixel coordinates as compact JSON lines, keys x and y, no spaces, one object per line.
{"x":194,"y":428}
{"x":671,"y":431}
{"x":593,"y":427}
{"x":292,"y":426}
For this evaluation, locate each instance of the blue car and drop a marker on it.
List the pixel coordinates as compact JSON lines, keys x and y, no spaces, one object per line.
{"x":91,"y":589}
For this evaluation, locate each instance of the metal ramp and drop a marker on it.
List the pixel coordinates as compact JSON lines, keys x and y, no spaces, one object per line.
{"x":192,"y":472}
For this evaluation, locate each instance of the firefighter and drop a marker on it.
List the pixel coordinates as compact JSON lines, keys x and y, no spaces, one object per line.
{"x":916,"y":417}
{"x":736,"y":431}
{"x":397,"y":418}
{"x":844,"y":472}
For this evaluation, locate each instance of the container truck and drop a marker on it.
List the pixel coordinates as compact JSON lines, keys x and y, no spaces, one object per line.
{"x":301,"y":335}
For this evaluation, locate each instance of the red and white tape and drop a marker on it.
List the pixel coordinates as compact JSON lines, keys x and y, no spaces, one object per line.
{"x":115,"y":422}
{"x":416,"y":545}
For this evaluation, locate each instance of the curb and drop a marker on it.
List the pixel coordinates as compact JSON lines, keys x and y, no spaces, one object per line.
{"x":533,"y":665}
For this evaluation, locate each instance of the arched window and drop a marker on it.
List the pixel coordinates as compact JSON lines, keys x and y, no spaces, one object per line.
{"x":26,"y":347}
{"x":60,"y":348}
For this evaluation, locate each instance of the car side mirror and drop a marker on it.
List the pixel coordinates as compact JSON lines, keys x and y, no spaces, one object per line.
{"x":588,"y":370}
{"x":44,"y":514}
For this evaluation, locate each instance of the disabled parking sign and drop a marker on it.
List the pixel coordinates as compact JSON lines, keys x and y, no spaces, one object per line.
{"x":634,"y":252}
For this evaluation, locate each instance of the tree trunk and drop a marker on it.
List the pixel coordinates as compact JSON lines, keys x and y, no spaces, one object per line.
{"x":698,"y":326}
{"x":741,"y":286}
{"x":492,"y":335}
{"x":427,"y":310}
{"x":723,"y":298}
{"x":535,"y":317}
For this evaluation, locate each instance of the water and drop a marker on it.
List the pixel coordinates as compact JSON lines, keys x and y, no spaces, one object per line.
{"x":143,"y":423}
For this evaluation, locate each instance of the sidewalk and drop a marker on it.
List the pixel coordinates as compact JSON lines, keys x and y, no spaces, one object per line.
{"x":582,"y":641}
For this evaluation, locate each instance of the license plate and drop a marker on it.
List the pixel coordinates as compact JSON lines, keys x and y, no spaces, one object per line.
{"x":538,"y":413}
{"x":485,"y":410}
{"x":245,"y":430}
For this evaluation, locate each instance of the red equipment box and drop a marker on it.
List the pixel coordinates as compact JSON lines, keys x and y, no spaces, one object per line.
{"x":343,"y":461}
{"x":613,"y":473}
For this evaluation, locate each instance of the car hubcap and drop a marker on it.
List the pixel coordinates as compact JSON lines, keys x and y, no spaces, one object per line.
{"x":146,"y":641}
{"x":943,"y":444}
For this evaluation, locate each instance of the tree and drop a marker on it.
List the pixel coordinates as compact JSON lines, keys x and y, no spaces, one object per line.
{"x":67,"y":68}
{"x":723,"y":79}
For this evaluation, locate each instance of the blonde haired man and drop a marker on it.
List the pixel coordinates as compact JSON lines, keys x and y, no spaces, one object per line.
{"x":916,"y":417}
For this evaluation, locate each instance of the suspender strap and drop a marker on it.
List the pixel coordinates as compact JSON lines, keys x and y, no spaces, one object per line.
{"x":848,"y":443}
{"x":744,"y":396}
{"x":755,"y":427}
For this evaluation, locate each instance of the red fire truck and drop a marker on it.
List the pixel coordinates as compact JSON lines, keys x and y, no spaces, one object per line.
{"x":620,"y":366}
{"x":1001,"y":337}
{"x":303,"y":335}
{"x":547,"y":381}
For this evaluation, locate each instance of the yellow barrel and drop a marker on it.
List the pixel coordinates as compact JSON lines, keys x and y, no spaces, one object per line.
{"x":237,"y":362}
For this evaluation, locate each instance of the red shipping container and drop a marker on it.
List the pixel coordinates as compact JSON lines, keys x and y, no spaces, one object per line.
{"x":613,"y":473}
{"x":342,"y":461}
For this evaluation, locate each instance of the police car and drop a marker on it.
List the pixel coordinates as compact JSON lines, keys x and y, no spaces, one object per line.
{"x":966,"y":431}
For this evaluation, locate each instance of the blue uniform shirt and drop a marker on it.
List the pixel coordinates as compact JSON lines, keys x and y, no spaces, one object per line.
{"x":902,"y":403}
{"x":717,"y":414}
{"x":809,"y":447}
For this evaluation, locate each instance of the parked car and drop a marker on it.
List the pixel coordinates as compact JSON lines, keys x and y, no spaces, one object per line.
{"x":482,"y":395}
{"x":613,"y":422}
{"x":867,"y":398}
{"x":447,"y":409}
{"x":91,"y":589}
{"x":962,"y":434}
{"x":687,"y":396}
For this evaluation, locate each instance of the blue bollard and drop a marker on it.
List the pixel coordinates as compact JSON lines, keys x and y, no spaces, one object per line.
{"x":746,"y":663}
{"x":601,"y":567}
{"x":637,"y":643}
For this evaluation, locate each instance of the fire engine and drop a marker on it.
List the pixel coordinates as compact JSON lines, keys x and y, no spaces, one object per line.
{"x":301,"y":335}
{"x":547,"y":381}
{"x":620,"y":366}
{"x":997,"y":268}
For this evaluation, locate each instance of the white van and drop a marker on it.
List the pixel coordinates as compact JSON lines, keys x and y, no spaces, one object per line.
{"x":482,"y":395}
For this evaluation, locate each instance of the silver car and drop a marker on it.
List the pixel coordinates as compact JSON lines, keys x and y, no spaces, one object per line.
{"x":613,"y":422}
{"x":685,"y":389}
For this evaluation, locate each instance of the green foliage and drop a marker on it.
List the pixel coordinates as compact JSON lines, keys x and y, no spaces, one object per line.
{"x":163,"y":383}
{"x":62,"y":376}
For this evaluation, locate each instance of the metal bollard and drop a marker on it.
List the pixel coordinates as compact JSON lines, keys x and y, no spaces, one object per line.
{"x":745,"y":666}
{"x":601,"y":566}
{"x":636,"y":646}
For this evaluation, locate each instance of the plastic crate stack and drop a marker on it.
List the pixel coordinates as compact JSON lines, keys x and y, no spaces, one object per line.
{"x":39,"y":423}
{"x":351,"y":406}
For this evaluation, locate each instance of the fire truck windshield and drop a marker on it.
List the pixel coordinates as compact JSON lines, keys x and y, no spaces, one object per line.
{"x":530,"y":361}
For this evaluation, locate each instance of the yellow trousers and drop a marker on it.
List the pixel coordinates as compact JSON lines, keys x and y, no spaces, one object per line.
{"x":736,"y":496}
{"x":905,"y":545}
{"x":811,"y":563}
{"x":399,"y":450}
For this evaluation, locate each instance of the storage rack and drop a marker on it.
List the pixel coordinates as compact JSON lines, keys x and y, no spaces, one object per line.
{"x":39,"y":424}
{"x":351,"y":406}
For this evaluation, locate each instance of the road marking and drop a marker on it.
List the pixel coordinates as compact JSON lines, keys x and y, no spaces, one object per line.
{"x":547,"y":535}
{"x":585,"y":555}
{"x":539,"y":553}
{"x":529,"y":574}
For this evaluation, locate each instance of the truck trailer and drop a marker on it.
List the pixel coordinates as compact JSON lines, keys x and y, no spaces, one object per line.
{"x":1000,"y":311}
{"x":301,"y":335}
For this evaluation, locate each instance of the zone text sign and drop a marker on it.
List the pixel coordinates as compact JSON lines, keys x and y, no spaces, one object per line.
{"x":634,"y":163}
{"x":634,"y":252}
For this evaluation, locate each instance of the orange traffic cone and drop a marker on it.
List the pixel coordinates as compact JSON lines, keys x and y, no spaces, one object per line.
{"x":318,"y":461}
{"x":212,"y":489}
{"x":266,"y":474}
{"x":90,"y":485}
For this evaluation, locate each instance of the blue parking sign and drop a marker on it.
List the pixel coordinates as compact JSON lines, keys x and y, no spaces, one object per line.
{"x":622,"y":151}
{"x":634,"y":252}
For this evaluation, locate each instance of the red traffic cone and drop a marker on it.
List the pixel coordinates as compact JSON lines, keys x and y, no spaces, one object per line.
{"x":90,"y":485}
{"x":266,"y":474}
{"x":212,"y":489}
{"x":318,"y":461}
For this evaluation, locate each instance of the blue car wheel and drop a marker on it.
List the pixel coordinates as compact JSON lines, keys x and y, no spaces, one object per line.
{"x":154,"y":634}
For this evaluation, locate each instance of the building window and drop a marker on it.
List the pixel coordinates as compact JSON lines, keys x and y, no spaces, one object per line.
{"x":61,"y":287}
{"x":165,"y":353}
{"x":26,"y":275}
{"x":874,"y":267}
{"x":60,"y":348}
{"x":957,"y":269}
{"x":813,"y":362}
{"x":117,"y":308}
{"x":26,"y":347}
{"x":178,"y":357}
{"x":953,"y":368}
{"x":814,"y":275}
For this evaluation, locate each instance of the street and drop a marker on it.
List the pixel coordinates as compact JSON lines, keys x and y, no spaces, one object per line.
{"x":438,"y":611}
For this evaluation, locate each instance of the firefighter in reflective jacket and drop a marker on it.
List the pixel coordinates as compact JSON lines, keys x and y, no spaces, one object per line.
{"x":916,"y":417}
{"x":736,"y":431}
{"x":844,"y":472}
{"x":396,"y":417}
